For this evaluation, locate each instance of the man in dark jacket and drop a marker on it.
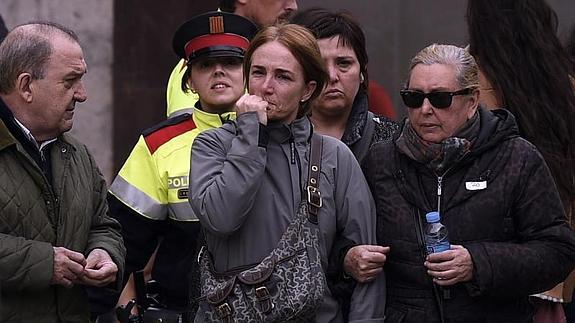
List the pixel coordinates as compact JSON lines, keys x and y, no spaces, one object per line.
{"x":55,"y":234}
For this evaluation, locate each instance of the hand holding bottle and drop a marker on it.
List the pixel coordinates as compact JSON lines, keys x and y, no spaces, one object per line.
{"x":450,"y":267}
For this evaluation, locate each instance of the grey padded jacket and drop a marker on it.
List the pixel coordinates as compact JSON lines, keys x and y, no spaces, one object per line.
{"x":246,"y":190}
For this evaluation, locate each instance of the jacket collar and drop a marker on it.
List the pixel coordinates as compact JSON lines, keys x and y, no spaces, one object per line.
{"x":205,"y":120}
{"x":357,"y":119}
{"x":6,"y":138}
{"x":496,"y":126}
{"x":10,"y":132}
{"x":299,"y":130}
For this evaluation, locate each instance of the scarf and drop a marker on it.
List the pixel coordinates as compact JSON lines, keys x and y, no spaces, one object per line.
{"x":439,"y":157}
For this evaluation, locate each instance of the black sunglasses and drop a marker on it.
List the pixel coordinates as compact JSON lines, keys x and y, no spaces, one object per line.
{"x":439,"y":100}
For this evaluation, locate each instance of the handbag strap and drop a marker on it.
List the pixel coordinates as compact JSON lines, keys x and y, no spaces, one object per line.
{"x":314,"y":200}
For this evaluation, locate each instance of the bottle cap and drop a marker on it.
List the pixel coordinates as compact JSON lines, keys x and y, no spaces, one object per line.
{"x":432,"y":217}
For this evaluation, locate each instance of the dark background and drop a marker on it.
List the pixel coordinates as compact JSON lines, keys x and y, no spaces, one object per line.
{"x":395,"y":31}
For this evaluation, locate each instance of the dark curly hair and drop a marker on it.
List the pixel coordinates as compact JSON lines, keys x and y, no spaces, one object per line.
{"x":516,"y":47}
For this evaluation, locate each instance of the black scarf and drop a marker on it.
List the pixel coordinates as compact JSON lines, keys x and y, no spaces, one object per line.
{"x":438,"y":156}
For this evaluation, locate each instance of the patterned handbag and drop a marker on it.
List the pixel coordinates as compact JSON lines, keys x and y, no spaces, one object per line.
{"x":288,"y":284}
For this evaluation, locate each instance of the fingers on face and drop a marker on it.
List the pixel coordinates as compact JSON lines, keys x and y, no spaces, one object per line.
{"x":257,"y":102}
{"x":251,"y":103}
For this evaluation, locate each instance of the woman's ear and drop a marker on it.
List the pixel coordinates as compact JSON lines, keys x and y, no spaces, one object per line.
{"x":191,"y":85}
{"x":473,"y":104}
{"x":309,"y":89}
{"x":24,"y":86}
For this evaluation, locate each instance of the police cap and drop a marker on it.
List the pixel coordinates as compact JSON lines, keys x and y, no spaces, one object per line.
{"x":213,"y":34}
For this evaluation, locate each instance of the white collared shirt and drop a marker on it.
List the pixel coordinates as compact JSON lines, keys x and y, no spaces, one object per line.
{"x":33,"y":140}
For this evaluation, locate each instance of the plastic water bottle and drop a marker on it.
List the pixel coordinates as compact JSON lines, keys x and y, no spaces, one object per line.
{"x":436,"y":237}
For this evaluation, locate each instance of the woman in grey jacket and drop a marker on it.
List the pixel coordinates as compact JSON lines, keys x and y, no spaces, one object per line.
{"x":245,"y":182}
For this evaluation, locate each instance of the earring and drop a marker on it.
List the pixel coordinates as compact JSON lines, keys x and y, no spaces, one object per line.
{"x":193,"y":91}
{"x":302,"y":100}
{"x":361,"y":78}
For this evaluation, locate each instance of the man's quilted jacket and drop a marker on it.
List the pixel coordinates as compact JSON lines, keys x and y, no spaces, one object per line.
{"x":36,"y":216}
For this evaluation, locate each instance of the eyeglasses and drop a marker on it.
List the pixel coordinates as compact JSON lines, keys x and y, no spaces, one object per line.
{"x":439,"y":100}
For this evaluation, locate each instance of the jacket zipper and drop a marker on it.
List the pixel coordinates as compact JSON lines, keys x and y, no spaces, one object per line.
{"x":439,"y":184}
{"x":440,"y":292}
{"x":292,"y":150}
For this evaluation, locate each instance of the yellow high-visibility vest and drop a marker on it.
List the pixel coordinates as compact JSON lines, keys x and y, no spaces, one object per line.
{"x":154,"y":179}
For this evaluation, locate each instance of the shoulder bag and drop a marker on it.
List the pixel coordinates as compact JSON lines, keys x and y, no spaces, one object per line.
{"x":286,"y":286}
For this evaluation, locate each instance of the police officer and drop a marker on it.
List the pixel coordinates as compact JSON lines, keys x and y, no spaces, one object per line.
{"x":261,"y":12}
{"x":149,"y":195}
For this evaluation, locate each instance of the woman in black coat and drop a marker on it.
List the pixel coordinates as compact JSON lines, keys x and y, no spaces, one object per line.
{"x":494,"y":192}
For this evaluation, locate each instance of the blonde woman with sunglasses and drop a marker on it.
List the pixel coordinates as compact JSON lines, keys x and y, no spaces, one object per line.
{"x":492,"y":189}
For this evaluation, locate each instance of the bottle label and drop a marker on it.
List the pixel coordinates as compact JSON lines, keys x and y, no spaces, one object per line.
{"x":438,"y":247}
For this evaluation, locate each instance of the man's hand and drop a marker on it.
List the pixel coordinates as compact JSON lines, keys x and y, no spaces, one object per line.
{"x":365,"y":262}
{"x":100,"y":270}
{"x":68,"y":267}
{"x":248,"y":103}
{"x":451,"y":266}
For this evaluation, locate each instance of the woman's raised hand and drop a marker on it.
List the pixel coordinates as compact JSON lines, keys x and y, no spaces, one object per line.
{"x":248,"y":103}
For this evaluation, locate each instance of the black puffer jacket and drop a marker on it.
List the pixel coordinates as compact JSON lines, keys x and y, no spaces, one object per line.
{"x":364,"y":129}
{"x":514,"y":228}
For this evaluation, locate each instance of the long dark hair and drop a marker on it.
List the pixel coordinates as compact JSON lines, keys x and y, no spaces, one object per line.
{"x":570,"y":45}
{"x":516,"y":47}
